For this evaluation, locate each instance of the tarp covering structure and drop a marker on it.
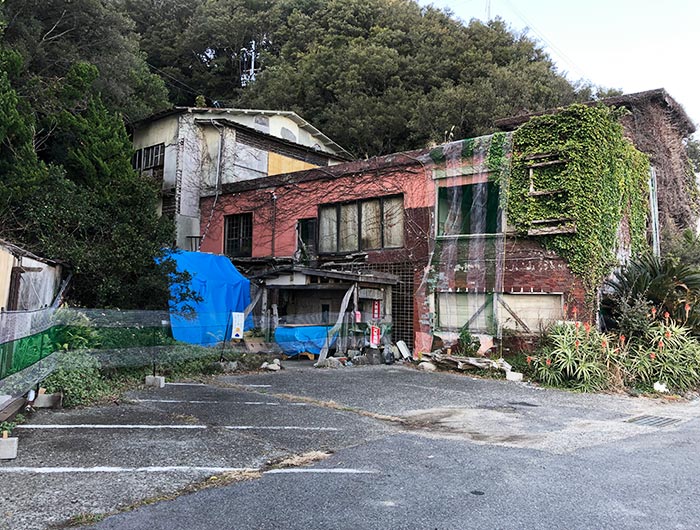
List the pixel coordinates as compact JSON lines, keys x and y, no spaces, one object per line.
{"x":222,"y":289}
{"x":300,"y":339}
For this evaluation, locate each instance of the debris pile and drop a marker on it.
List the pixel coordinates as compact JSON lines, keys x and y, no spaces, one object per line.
{"x":457,"y":362}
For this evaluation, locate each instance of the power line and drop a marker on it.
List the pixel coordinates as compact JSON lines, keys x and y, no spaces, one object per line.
{"x":544,"y":39}
{"x":187,"y":88}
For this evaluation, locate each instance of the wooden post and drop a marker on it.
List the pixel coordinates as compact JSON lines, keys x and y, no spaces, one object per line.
{"x":264,"y":324}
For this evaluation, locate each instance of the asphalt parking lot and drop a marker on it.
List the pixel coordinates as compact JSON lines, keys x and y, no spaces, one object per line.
{"x":409,"y":449}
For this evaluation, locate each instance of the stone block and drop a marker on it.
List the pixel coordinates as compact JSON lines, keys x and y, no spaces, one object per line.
{"x":48,"y":401}
{"x":157,"y":381}
{"x":514,"y":376}
{"x":8,"y":448}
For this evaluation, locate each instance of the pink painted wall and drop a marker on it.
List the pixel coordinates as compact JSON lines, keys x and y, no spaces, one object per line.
{"x":276,"y":210}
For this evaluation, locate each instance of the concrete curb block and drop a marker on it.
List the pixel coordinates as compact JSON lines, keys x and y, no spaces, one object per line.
{"x":157,"y":381}
{"x":8,"y":448}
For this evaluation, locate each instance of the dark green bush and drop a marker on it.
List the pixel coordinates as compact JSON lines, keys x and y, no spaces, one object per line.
{"x":78,"y":378}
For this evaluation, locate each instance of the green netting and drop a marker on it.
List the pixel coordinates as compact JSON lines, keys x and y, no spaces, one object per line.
{"x":22,"y":353}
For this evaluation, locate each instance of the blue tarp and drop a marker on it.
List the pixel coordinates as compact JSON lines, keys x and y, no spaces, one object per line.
{"x":223,"y":290}
{"x":299,"y":339}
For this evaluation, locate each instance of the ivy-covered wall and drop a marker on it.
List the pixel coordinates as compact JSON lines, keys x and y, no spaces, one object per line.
{"x":575,"y":173}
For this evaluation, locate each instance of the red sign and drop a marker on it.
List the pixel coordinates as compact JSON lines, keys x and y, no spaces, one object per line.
{"x":374,"y":336}
{"x":376,"y":309}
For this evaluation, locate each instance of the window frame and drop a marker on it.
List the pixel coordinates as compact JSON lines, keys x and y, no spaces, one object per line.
{"x":151,"y":157}
{"x":241,"y":237}
{"x":497,"y":220}
{"x":359,"y":228}
{"x":312,"y":231}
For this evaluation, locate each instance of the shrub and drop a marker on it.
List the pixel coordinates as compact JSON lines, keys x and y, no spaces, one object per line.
{"x":667,"y":354}
{"x":467,"y":344}
{"x":78,"y":377}
{"x":663,"y":284}
{"x":575,"y":356}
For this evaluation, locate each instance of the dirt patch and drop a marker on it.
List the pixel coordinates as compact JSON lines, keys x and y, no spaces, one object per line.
{"x":301,"y":460}
{"x":320,"y":403}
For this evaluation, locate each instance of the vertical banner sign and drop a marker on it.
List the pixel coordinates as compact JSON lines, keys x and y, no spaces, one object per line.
{"x":237,"y":325}
{"x":376,"y":309}
{"x":374,"y":336}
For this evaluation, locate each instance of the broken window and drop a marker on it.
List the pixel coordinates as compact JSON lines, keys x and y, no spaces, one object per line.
{"x":328,"y":229}
{"x":152,"y":157}
{"x":239,"y":235}
{"x":347,"y":228}
{"x":468,"y":209}
{"x":306,"y":229}
{"x":392,"y":215}
{"x":370,"y":224}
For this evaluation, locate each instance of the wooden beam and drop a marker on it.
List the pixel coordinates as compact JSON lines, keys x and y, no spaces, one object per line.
{"x":512,"y":313}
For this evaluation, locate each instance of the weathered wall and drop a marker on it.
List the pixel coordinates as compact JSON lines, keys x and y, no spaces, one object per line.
{"x":655,"y":130}
{"x":7,"y":261}
{"x":38,"y":285}
{"x":276,"y":210}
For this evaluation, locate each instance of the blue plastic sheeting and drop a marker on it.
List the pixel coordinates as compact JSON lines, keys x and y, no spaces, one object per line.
{"x":299,"y":339}
{"x":223,"y":290}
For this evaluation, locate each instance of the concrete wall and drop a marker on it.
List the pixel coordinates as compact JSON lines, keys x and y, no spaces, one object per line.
{"x":162,"y":131}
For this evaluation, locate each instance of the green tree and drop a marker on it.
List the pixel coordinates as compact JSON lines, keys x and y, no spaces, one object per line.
{"x":23,"y":175}
{"x":53,"y":35}
{"x":100,"y":215}
{"x":376,"y":75}
{"x":382,"y":76}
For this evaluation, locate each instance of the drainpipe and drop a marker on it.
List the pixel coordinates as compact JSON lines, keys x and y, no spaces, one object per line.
{"x":274,"y":221}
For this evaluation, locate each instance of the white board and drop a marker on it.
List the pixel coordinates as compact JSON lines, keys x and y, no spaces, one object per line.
{"x":237,"y":322}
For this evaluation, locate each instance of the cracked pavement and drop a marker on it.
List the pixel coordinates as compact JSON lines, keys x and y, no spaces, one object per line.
{"x":410,"y":450}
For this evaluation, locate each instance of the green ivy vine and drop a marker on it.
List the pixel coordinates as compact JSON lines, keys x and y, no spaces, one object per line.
{"x":595,"y":178}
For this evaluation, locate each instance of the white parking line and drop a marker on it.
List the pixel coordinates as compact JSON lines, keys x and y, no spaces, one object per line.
{"x":185,"y":384}
{"x":259,"y":386}
{"x":107,"y":426}
{"x":109,"y":469}
{"x":205,"y":402}
{"x":172,"y":401}
{"x":277,"y":428}
{"x":132,"y":426}
{"x":170,"y":469}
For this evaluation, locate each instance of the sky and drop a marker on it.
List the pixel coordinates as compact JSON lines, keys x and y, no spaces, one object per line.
{"x":632,"y":45}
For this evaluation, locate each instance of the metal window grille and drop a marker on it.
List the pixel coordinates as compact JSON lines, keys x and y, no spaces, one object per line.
{"x":239,"y":235}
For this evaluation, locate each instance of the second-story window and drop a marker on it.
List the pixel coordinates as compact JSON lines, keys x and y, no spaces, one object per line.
{"x":238,"y":234}
{"x":469,"y":210}
{"x":152,"y":157}
{"x":306,"y":231}
{"x":370,"y":224}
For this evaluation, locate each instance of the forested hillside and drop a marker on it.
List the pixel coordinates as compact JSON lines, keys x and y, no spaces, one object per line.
{"x":70,"y":72}
{"x":376,"y":75}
